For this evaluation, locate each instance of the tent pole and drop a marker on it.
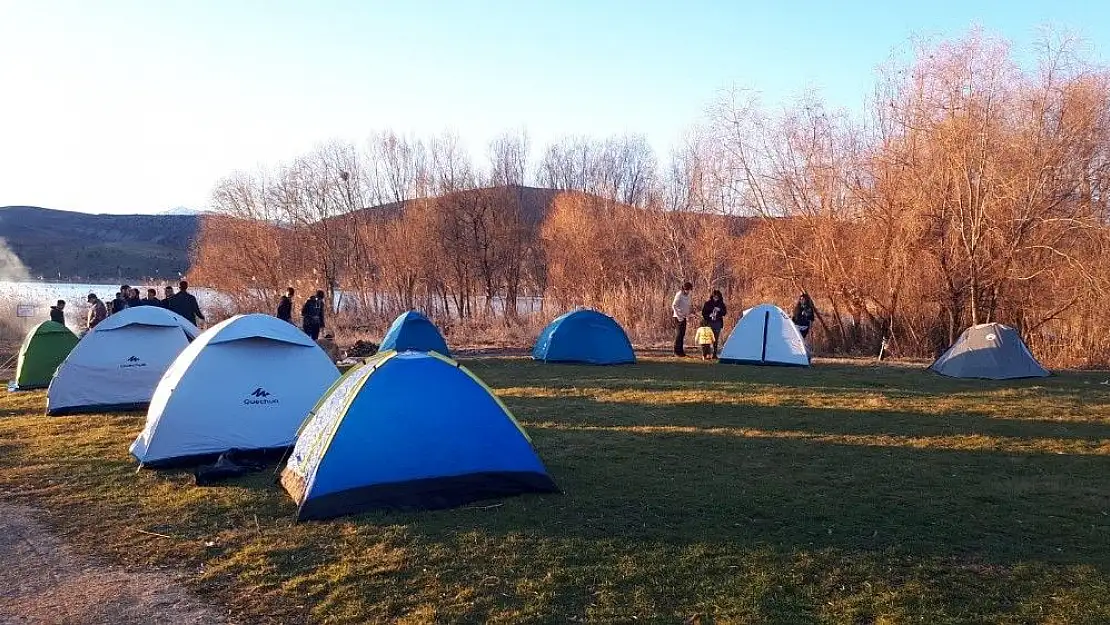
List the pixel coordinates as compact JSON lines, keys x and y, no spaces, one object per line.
{"x":766,"y":322}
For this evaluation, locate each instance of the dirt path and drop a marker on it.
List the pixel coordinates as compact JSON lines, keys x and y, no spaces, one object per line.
{"x":43,"y":581}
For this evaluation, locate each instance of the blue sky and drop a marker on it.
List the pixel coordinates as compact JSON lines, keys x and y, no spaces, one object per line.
{"x":140,"y":106}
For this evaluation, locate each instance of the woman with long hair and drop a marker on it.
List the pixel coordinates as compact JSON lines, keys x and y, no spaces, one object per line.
{"x":713,"y":315}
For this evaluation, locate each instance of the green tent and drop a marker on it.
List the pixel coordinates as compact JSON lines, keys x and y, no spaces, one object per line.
{"x":45,"y":347}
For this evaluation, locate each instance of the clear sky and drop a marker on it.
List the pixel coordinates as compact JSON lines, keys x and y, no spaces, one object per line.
{"x":140,"y":106}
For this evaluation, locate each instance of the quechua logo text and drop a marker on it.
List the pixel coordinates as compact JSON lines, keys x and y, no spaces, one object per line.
{"x":260,"y":397}
{"x":132,"y":362}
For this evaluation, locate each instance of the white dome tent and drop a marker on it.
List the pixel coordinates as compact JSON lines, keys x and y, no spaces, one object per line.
{"x":765,"y":335}
{"x":116,"y":366}
{"x":246,"y":383}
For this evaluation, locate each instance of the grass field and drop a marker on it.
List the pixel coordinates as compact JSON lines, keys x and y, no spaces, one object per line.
{"x":842,"y":494}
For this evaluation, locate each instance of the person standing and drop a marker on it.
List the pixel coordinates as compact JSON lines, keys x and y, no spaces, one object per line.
{"x":169,"y":295}
{"x":132,"y":297}
{"x":713,"y":315}
{"x":804,"y":313}
{"x":704,"y":337}
{"x":123,"y":294}
{"x":119,"y":303}
{"x":57,"y":312}
{"x":151,"y":298}
{"x":680,"y":313}
{"x":184,"y":304}
{"x":312,"y":315}
{"x":323,"y":302}
{"x":97,"y":312}
{"x":285,"y":306}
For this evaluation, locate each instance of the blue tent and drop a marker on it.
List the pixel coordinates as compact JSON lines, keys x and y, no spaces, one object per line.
{"x":584,"y":336}
{"x":380,"y":439}
{"x":412,"y":331}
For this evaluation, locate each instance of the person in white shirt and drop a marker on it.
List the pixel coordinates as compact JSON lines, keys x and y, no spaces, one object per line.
{"x":680,"y":311}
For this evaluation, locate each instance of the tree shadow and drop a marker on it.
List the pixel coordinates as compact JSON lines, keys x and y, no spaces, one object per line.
{"x":696,"y":487}
{"x":691,"y":374}
{"x":587,"y":411}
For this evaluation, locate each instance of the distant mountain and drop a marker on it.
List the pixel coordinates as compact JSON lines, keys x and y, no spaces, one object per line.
{"x":64,"y":245}
{"x":182,"y":210}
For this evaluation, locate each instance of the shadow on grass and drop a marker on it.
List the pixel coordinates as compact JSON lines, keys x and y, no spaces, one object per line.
{"x":691,"y":374}
{"x":799,"y":494}
{"x":586,"y":412}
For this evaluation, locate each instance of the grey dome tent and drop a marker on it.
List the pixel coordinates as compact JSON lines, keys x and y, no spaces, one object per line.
{"x":992,"y":351}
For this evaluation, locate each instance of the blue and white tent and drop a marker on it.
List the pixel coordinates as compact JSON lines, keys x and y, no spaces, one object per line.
{"x":584,"y":336}
{"x":409,"y":430}
{"x":246,"y":383}
{"x":412,"y":331}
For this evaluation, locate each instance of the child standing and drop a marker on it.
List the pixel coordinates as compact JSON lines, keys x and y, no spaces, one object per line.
{"x":705,"y":338}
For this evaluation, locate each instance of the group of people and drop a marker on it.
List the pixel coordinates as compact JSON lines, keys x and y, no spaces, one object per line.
{"x":713,"y":312}
{"x":312,"y":312}
{"x":185,"y":304}
{"x":708,"y":335}
{"x":182,"y":302}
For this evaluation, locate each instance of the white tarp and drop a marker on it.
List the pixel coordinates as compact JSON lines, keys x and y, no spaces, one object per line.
{"x":118,"y":364}
{"x":246,"y":383}
{"x":765,"y":335}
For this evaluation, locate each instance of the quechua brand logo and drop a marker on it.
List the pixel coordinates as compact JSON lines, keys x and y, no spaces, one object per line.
{"x":260,"y":397}
{"x":132,"y":362}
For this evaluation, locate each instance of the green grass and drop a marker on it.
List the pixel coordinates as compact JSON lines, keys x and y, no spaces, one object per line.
{"x":841,"y":494}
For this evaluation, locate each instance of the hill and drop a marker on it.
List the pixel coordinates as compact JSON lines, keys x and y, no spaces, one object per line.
{"x":533,"y":203}
{"x":65,"y":245}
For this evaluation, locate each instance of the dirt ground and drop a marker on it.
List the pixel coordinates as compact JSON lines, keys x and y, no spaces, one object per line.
{"x":43,"y":581}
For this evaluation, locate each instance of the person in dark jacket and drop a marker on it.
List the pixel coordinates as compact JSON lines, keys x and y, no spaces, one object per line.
{"x":713,"y":313}
{"x":118,"y":304}
{"x":804,"y":313}
{"x":151,"y":298}
{"x":184,"y":304}
{"x":285,"y":306}
{"x":57,"y":312}
{"x":312,"y":315}
{"x":166,"y":299}
{"x":132,"y":296}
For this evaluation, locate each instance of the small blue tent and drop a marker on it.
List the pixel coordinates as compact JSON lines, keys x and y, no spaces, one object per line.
{"x":584,"y":336}
{"x":380,"y":439}
{"x":412,"y":331}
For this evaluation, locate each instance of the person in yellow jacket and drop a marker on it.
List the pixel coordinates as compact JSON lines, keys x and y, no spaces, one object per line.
{"x":705,"y":337}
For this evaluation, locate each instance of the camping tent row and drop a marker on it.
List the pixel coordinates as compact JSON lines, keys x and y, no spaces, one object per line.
{"x":373,"y":438}
{"x":765,"y":335}
{"x":119,"y":364}
{"x":248,"y":382}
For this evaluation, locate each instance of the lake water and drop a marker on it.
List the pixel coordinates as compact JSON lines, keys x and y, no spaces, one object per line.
{"x":24,"y":304}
